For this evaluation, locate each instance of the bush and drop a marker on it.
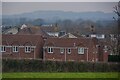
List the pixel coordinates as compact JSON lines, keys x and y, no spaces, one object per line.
{"x":113,"y":58}
{"x":10,"y":65}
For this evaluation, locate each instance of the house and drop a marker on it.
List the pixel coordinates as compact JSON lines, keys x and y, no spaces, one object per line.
{"x":98,"y":36}
{"x":68,"y":35}
{"x":13,"y":30}
{"x":22,"y":46}
{"x":61,"y":33}
{"x":31,"y":46}
{"x":103,"y":50}
{"x":51,"y":30}
{"x":70,"y":49}
{"x":31,"y":30}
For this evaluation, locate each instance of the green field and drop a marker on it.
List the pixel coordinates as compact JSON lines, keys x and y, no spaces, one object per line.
{"x":60,"y":75}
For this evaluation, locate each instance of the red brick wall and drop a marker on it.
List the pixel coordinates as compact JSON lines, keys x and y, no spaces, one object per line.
{"x":105,"y":56}
{"x":56,"y":55}
{"x":14,"y":40}
{"x":18,"y":55}
{"x":74,"y":56}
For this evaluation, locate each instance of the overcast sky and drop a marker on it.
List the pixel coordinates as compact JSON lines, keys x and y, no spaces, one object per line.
{"x":23,"y":7}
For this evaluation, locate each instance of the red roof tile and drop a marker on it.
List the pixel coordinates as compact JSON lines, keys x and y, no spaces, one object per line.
{"x":32,"y":30}
{"x":69,"y":42}
{"x":21,"y":40}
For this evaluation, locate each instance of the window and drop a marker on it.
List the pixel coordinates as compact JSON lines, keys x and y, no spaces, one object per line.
{"x":27,"y":49}
{"x":61,"y":50}
{"x":15,"y":48}
{"x":3,"y":49}
{"x":80,"y":50}
{"x":50,"y":50}
{"x":69,"y":50}
{"x":105,"y":48}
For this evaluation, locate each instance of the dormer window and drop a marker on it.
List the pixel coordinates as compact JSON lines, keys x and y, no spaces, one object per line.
{"x":27,"y":49}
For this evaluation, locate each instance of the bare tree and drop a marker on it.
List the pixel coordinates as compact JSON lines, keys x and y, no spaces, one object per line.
{"x":117,"y":11}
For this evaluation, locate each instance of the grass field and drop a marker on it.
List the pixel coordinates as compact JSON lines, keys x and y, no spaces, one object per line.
{"x":60,"y":75}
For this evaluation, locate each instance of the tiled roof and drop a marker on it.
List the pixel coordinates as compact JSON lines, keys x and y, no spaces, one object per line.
{"x":22,"y":40}
{"x":69,"y":42}
{"x":49,"y":28}
{"x":11,"y":30}
{"x":32,"y":30}
{"x":68,"y":35}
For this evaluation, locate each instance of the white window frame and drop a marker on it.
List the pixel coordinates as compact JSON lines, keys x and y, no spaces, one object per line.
{"x":51,"y":50}
{"x":68,"y":50}
{"x":27,"y":49}
{"x":61,"y":50}
{"x":81,"y":50}
{"x":3,"y":50}
{"x":15,"y":48}
{"x":105,"y":48}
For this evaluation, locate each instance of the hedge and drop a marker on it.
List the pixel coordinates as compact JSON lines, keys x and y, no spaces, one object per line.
{"x":113,"y":58}
{"x":10,"y":65}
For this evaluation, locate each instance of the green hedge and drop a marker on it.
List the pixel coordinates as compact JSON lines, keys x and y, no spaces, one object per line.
{"x":113,"y":58}
{"x":10,"y":65}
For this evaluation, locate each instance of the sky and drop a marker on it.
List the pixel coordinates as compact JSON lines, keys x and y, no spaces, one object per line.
{"x":10,"y":8}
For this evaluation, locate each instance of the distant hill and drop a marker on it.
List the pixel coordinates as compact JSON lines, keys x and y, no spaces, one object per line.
{"x":56,"y":15}
{"x":68,"y":21}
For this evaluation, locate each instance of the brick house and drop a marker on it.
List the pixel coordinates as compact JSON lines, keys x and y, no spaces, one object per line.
{"x":103,"y":50}
{"x":34,"y":30}
{"x":31,"y":46}
{"x":22,"y":46}
{"x":51,"y":30}
{"x":70,"y":49}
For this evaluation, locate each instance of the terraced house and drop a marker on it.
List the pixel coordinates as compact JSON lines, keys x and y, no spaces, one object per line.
{"x":70,"y":49}
{"x":52,"y":48}
{"x":34,"y":43}
{"x":22,"y":46}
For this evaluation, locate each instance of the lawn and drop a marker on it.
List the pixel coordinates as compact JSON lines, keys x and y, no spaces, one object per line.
{"x":60,"y":75}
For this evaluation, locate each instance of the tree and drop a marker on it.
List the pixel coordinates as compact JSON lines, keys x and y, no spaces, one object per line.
{"x":67,"y":25}
{"x":117,"y":11}
{"x":38,"y":22}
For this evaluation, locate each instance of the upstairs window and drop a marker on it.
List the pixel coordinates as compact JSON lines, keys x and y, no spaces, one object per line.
{"x":80,"y":50}
{"x":15,"y":48}
{"x":69,"y":50}
{"x":105,"y":48}
{"x":3,"y":49}
{"x":27,"y":49}
{"x":50,"y":50}
{"x":61,"y":50}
